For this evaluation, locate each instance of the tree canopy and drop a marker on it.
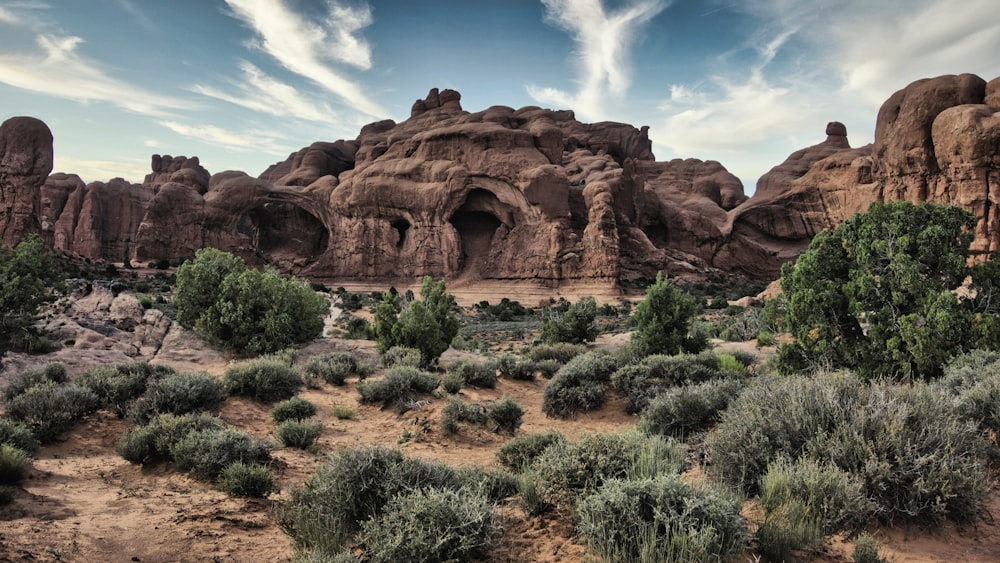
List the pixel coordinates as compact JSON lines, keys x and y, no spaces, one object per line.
{"x":428,"y":324}
{"x":877,"y":294}
{"x":30,"y":276}
{"x":246,"y":310}
{"x":663,"y":320}
{"x":575,"y":325}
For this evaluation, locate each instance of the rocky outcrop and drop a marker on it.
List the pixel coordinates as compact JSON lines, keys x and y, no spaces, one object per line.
{"x":525,"y":194}
{"x":25,"y":162}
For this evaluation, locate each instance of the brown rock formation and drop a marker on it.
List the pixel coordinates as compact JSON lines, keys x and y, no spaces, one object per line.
{"x":178,"y":169}
{"x":25,"y":161}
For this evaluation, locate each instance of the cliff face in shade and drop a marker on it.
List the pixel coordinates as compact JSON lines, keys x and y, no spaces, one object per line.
{"x":25,"y":162}
{"x":525,"y":194}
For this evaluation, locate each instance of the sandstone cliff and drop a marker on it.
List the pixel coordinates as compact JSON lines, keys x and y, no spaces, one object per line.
{"x":519,"y":194}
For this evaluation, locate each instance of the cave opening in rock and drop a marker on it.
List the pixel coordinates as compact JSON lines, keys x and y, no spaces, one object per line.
{"x":476,"y":221}
{"x":401,"y":226}
{"x":285,"y":235}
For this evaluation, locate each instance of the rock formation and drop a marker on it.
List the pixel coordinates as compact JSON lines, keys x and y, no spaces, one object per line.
{"x":25,"y":161}
{"x":525,"y":194}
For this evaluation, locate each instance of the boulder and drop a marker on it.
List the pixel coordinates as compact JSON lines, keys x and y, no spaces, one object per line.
{"x":25,"y":162}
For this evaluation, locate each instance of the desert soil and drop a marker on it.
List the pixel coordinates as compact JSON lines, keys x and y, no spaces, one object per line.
{"x":82,"y":502}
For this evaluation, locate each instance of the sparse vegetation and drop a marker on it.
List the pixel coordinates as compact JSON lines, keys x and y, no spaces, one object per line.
{"x":178,"y":394}
{"x":398,"y":387}
{"x":519,"y":453}
{"x":242,"y":480}
{"x":264,"y":379}
{"x":579,"y":385}
{"x":506,"y":414}
{"x":333,"y":368}
{"x":476,"y":374}
{"x":49,"y":409}
{"x":298,"y":433}
{"x":14,"y":464}
{"x":118,"y":386}
{"x":295,"y":408}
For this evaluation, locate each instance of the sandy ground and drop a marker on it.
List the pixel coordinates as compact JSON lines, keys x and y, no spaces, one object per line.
{"x":81,"y":502}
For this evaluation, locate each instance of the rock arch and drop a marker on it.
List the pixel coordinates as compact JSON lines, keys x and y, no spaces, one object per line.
{"x":476,"y":221}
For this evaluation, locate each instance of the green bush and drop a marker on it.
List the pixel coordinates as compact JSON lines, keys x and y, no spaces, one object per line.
{"x":342,"y":413}
{"x":430,"y":526}
{"x":178,"y":394}
{"x":547,"y":368}
{"x":295,"y":408}
{"x":476,"y":374}
{"x":398,"y":356}
{"x":242,"y":480}
{"x":574,"y":326}
{"x":13,"y":464}
{"x":428,"y":324}
{"x":152,"y":441}
{"x":915,"y":456}
{"x":298,"y":433}
{"x":457,"y":411}
{"x":506,"y":414}
{"x":573,"y":470}
{"x":789,"y":527}
{"x":119,"y":385}
{"x":688,"y":408}
{"x":353,"y":487}
{"x":663,"y":321}
{"x":831,"y":497}
{"x":246,"y":310}
{"x":452,"y":383}
{"x":579,"y":385}
{"x":662,"y":517}
{"x":332,"y":368}
{"x":765,"y":338}
{"x":866,"y":550}
{"x":30,"y":275}
{"x":398,"y":388}
{"x":519,"y":453}
{"x":206,"y":453}
{"x":494,"y":485}
{"x":53,"y":372}
{"x":50,"y":409}
{"x":19,"y":435}
{"x":972,"y":381}
{"x":516,"y":367}
{"x":266,"y":380}
{"x":656,"y":374}
{"x":561,"y":352}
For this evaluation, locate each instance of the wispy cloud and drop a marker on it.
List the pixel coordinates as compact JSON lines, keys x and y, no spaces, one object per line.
{"x":603,"y":43}
{"x":138,"y":16}
{"x":262,"y":93}
{"x":59,"y":70}
{"x":245,"y":141}
{"x":312,"y":50}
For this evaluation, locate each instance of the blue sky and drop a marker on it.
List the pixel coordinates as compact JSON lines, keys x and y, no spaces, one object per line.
{"x":242,"y":83}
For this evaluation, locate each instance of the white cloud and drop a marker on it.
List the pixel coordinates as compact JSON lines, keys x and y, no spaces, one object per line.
{"x":309,"y":49}
{"x":60,"y":71}
{"x":102,"y":170}
{"x":244,"y":141}
{"x":263,"y":93}
{"x":603,"y":42}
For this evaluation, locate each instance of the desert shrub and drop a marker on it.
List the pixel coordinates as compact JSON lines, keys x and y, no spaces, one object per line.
{"x":452,"y":383}
{"x":547,"y":368}
{"x":663,"y":321}
{"x":243,"y":480}
{"x":574,"y":326}
{"x":429,"y":526}
{"x":266,"y":380}
{"x":151,"y":441}
{"x":119,"y":385}
{"x":53,"y":372}
{"x":457,"y":411}
{"x":13,"y":464}
{"x":765,"y":338}
{"x":19,"y":435}
{"x":519,"y":453}
{"x":428,"y":324}
{"x":789,"y":527}
{"x":298,"y":433}
{"x":579,"y":385}
{"x":332,"y":368}
{"x":354,"y":486}
{"x":831,"y":497}
{"x":398,"y":388}
{"x":50,"y":409}
{"x":573,"y":470}
{"x":663,"y":517}
{"x":515,"y":367}
{"x":295,"y":408}
{"x":7,"y":494}
{"x":655,"y":374}
{"x":178,"y":394}
{"x":30,"y":275}
{"x":680,"y":410}
{"x":340,"y":412}
{"x":866,"y":550}
{"x":506,"y":414}
{"x":915,"y":456}
{"x":561,"y":352}
{"x":401,"y":356}
{"x":206,"y":453}
{"x":495,"y":485}
{"x":476,"y":374}
{"x":243,"y":309}
{"x":972,"y":380}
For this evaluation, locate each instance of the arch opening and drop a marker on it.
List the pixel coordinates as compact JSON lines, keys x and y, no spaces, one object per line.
{"x":476,"y":221}
{"x":402,"y":226}
{"x":284,"y":235}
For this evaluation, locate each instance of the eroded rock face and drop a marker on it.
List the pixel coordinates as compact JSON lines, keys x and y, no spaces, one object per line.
{"x":529,"y":194}
{"x":25,"y":162}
